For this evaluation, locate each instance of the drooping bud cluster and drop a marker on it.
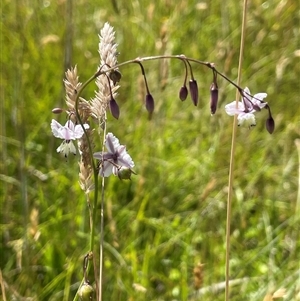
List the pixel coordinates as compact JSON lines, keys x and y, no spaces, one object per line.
{"x":193,"y":86}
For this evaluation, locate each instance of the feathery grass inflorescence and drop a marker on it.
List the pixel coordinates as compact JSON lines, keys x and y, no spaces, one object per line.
{"x":107,"y":81}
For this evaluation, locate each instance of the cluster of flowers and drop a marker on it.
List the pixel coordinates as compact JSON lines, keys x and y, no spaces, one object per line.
{"x":116,"y":160}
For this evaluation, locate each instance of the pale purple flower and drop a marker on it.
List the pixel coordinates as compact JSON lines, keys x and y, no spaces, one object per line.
{"x":247,"y":107}
{"x":115,"y":158}
{"x":68,"y":132}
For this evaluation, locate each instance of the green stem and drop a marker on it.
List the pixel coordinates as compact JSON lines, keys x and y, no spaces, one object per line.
{"x":232,"y":154}
{"x":102,"y":218}
{"x":94,"y":208}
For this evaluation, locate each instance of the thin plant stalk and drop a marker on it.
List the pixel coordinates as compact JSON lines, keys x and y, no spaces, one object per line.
{"x":232,"y":155}
{"x":95,"y":172}
{"x":102,"y":219}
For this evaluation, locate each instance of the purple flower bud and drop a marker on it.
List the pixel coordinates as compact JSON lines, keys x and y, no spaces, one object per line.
{"x":183,"y":93}
{"x":149,"y":103}
{"x":214,"y":93}
{"x":114,"y":108}
{"x":270,"y":124}
{"x":57,"y":110}
{"x":194,"y":91}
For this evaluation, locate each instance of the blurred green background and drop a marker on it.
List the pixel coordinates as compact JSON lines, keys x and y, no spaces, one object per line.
{"x":172,"y":215}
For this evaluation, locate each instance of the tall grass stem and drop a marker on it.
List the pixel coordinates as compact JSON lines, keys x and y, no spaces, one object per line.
{"x":102,"y":219}
{"x":232,"y":155}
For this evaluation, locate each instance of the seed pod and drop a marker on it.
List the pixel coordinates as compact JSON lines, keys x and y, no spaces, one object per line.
{"x":124,"y":173}
{"x":86,"y":292}
{"x":149,"y":103}
{"x":114,"y":108}
{"x":214,"y":94}
{"x":194,"y":91}
{"x":115,"y":76}
{"x":183,"y":93}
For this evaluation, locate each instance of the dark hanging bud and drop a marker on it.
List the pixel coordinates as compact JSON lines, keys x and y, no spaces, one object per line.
{"x":114,"y":108}
{"x":115,"y":76}
{"x":183,"y":93}
{"x":270,"y":124}
{"x":194,"y":91}
{"x":149,"y":103}
{"x":86,"y":292}
{"x":57,"y":110}
{"x":214,"y":94}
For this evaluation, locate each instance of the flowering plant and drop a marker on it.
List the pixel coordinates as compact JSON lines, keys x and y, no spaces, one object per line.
{"x":115,"y":159}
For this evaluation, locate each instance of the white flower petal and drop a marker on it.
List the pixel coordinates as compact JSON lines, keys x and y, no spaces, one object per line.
{"x":67,"y":134}
{"x":111,"y":143}
{"x":70,"y":125}
{"x":56,"y":129}
{"x":107,"y":169}
{"x":246,"y":119}
{"x":259,"y":96}
{"x":66,"y":147}
{"x":115,"y":170}
{"x":78,"y":130}
{"x":126,"y":161}
{"x":232,"y":110}
{"x":247,"y":91}
{"x":98,"y":155}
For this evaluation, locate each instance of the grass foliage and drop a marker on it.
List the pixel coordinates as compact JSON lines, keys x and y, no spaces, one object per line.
{"x":172,"y":215}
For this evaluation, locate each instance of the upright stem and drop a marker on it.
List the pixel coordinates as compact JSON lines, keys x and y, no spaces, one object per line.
{"x":102,"y":219}
{"x":232,"y":154}
{"x":95,"y":172}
